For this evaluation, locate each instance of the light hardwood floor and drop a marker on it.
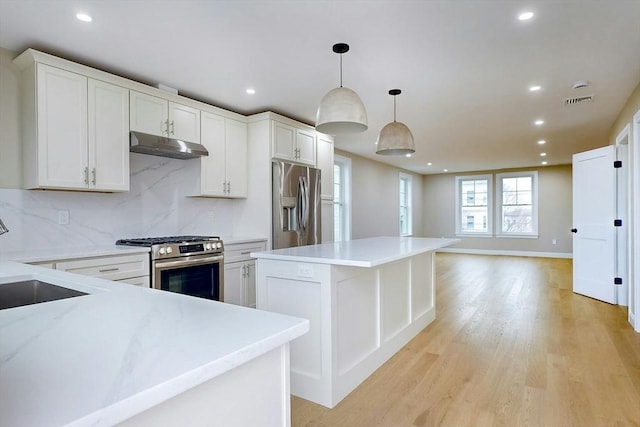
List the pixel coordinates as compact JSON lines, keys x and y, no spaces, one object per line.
{"x":511,"y":345}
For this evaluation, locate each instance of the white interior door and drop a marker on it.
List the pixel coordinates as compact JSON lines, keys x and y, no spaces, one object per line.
{"x":594,"y":208}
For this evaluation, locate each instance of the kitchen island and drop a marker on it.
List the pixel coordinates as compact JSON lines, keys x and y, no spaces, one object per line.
{"x":142,"y":357}
{"x":365,"y":299}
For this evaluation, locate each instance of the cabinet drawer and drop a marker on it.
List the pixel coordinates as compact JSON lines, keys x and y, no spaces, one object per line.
{"x":112,"y":267}
{"x":236,"y":252}
{"x":144,"y":281}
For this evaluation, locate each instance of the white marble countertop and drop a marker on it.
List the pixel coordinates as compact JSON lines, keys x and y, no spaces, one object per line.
{"x":101,"y":358}
{"x":56,"y":254}
{"x":369,"y":252}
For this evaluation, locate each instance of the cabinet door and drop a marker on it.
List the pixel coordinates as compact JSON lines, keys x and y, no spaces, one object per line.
{"x":149,"y":114}
{"x":306,"y":145}
{"x":249,"y":297}
{"x":324,"y":158}
{"x":236,"y":158}
{"x":62,"y":128}
{"x":233,"y":282}
{"x":283,"y":143}
{"x":184,"y":122}
{"x":108,"y":136}
{"x":212,"y":167}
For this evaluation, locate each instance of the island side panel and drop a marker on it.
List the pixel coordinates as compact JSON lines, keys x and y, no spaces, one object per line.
{"x":244,"y":396}
{"x":379,"y":310}
{"x":303,"y":290}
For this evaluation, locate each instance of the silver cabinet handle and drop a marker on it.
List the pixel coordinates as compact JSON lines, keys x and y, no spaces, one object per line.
{"x":166,"y":123}
{"x":229,"y":187}
{"x":245,"y":253}
{"x":109,"y":270}
{"x":86,"y":175}
{"x":173,"y":128}
{"x":93,"y":176}
{"x":224,"y":186}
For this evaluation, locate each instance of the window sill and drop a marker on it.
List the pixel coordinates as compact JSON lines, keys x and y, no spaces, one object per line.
{"x":484,"y":236}
{"x":517,"y":236}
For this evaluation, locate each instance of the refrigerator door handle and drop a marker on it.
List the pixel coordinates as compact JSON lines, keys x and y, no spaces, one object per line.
{"x":303,"y":204}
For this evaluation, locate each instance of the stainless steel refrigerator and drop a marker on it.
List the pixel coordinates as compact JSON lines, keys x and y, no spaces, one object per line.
{"x":296,"y":205}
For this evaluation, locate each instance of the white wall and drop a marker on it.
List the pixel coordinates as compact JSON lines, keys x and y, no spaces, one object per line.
{"x":375,"y":198}
{"x":554,"y":214}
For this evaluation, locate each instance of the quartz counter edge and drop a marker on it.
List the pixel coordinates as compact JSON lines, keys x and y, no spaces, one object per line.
{"x":370,"y":252}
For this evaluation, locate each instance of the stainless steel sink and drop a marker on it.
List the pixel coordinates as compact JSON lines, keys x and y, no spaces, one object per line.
{"x":17,"y":294}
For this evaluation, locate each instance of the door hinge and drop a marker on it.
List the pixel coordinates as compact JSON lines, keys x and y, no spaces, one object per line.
{"x":617,"y":164}
{"x":617,"y":223}
{"x":617,"y":280}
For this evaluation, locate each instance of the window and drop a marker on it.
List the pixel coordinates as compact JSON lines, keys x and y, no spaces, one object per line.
{"x":517,"y":204}
{"x":341,"y":198}
{"x":405,"y":205}
{"x":473,"y":205}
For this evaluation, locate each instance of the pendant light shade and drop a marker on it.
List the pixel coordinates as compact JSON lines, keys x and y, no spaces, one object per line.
{"x":395,"y":138}
{"x":341,"y":110}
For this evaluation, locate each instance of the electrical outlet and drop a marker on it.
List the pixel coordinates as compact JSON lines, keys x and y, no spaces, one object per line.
{"x":305,"y":270}
{"x":554,"y":242}
{"x":63,"y":217}
{"x":210,"y":215}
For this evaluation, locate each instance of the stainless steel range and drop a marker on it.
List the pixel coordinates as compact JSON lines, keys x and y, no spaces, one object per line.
{"x":191,"y":265}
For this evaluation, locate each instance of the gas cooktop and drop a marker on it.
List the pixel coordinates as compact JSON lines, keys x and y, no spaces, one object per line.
{"x":150,"y":241}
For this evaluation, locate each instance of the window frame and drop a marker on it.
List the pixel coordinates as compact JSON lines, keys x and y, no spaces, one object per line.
{"x":343,"y":199}
{"x":458,"y":203}
{"x":409,"y":196}
{"x":534,"y":205}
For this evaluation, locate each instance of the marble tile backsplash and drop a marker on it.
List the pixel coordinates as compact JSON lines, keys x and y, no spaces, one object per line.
{"x":157,"y":204}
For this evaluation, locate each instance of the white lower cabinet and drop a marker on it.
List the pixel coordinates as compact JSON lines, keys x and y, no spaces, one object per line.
{"x":131,"y":268}
{"x":240,"y":273}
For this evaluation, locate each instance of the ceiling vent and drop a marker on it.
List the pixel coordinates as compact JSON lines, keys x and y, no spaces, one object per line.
{"x":578,"y":100}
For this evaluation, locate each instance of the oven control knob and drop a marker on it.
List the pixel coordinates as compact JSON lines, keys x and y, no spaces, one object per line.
{"x":169,"y":249}
{"x":219,"y":245}
{"x":162,"y":251}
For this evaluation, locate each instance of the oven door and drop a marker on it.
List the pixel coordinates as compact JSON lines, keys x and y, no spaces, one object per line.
{"x":198,"y":276}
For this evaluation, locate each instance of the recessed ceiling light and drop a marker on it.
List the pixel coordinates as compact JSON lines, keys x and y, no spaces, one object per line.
{"x":535,"y":88}
{"x":251,"y":91}
{"x":538,"y":122}
{"x":445,"y":170}
{"x":525,"y":16}
{"x":542,"y":142}
{"x":429,"y":164}
{"x":408,"y":155}
{"x":84,"y":17}
{"x":544,"y":163}
{"x":543,"y":154}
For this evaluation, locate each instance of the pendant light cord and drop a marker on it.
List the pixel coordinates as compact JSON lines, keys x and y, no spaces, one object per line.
{"x":340,"y":70}
{"x":394,"y":108}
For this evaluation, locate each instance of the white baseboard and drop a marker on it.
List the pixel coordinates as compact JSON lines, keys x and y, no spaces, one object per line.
{"x":507,"y":253}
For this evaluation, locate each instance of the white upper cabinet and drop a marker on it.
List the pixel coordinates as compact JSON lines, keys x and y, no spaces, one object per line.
{"x":108,"y":136}
{"x":325,"y":164}
{"x":293,"y":144}
{"x":223,"y":173}
{"x":157,"y":116}
{"x":75,"y":132}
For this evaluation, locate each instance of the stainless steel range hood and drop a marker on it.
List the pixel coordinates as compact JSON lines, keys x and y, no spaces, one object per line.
{"x":165,"y":147}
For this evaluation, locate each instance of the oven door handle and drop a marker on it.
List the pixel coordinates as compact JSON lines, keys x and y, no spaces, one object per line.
{"x":187,"y":263}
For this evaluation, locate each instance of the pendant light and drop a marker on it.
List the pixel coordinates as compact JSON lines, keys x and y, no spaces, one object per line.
{"x":395,"y":138}
{"x":341,"y":110}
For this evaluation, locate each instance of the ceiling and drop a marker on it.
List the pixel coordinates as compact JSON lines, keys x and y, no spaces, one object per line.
{"x":464,"y":67}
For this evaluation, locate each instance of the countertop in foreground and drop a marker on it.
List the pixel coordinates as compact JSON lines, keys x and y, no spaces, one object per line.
{"x":369,"y":252}
{"x":99,"y":359}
